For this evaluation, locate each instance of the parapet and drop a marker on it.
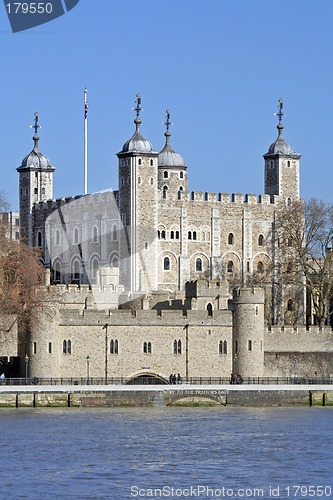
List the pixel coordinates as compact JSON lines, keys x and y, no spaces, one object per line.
{"x":248,"y":296}
{"x":233,"y":198}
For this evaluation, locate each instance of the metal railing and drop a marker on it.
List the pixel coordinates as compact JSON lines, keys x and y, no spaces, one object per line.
{"x":158,"y":381}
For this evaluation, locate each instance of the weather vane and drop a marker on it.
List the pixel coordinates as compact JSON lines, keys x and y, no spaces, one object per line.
{"x":167,"y":123}
{"x":138,"y":105}
{"x":35,"y":126}
{"x":280,"y":108}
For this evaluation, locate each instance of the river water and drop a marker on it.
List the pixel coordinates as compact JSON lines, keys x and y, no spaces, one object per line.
{"x":217,"y":452}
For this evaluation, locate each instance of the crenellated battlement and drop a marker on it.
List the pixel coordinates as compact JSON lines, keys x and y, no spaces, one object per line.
{"x":233,"y":198}
{"x":297,"y":331}
{"x":92,"y":199}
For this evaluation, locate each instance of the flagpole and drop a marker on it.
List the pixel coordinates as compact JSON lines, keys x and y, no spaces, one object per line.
{"x":85,"y":142}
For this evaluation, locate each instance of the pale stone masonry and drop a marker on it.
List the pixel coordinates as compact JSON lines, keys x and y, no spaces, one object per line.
{"x":156,"y":279}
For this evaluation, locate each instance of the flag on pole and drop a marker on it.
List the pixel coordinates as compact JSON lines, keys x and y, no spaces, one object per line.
{"x":85,"y":104}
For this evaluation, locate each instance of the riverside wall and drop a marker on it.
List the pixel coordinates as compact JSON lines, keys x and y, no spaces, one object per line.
{"x":157,"y":396}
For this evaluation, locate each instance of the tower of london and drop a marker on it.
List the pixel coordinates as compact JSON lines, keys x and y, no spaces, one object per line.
{"x":156,"y":264}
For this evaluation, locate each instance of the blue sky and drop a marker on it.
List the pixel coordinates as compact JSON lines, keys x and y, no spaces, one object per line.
{"x":219,"y":65}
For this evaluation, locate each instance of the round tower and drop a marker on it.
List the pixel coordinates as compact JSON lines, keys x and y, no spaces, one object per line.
{"x":248,"y":332}
{"x":172,"y":172}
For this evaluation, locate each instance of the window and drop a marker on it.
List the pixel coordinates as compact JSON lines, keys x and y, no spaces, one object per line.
{"x":95,"y":234}
{"x":260,"y":240}
{"x":177,"y":235}
{"x":94,"y":268}
{"x":230,"y":266}
{"x":146,"y":245}
{"x":290,"y":305}
{"x":198,"y":265}
{"x":288,"y":163}
{"x":152,"y":180}
{"x":181,"y":175}
{"x":147,"y":348}
{"x":114,"y":346}
{"x":76,"y":271}
{"x":210,"y":309}
{"x":165,"y":189}
{"x":165,"y":174}
{"x":151,"y":163}
{"x":39,"y":239}
{"x":260,"y":267}
{"x":166,"y":264}
{"x":172,"y":235}
{"x":177,"y":347}
{"x":249,"y":345}
{"x":230,"y":239}
{"x":76,"y":235}
{"x":67,"y":347}
{"x":35,"y":347}
{"x":163,"y":235}
{"x":57,"y":272}
{"x":139,"y":180}
{"x":194,"y":235}
{"x":189,"y":235}
{"x":140,"y":161}
{"x":115,"y":232}
{"x":223,"y":347}
{"x":115,"y":261}
{"x":50,"y":347}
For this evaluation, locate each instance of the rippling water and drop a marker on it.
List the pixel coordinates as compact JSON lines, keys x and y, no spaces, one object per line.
{"x":128,"y":453}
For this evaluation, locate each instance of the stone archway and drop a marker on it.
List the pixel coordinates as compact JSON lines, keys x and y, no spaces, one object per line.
{"x":147,"y":379}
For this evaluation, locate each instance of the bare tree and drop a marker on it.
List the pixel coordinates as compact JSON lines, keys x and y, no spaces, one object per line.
{"x":302,"y":238}
{"x":4,"y":205}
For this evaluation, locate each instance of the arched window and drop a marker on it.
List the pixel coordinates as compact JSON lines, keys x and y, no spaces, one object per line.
{"x":260,"y":240}
{"x":39,"y":239}
{"x":260,"y":267}
{"x":230,"y":266}
{"x":181,"y":175}
{"x":194,"y":235}
{"x":57,"y":272}
{"x":230,"y":239}
{"x":210,"y":309}
{"x":76,"y":271}
{"x":288,"y":202}
{"x":189,"y":235}
{"x":198,"y":265}
{"x":290,"y":305}
{"x":94,"y":268}
{"x":225,"y":347}
{"x":177,"y":235}
{"x":165,"y":189}
{"x":166,"y":264}
{"x":220,"y":347}
{"x":95,"y":234}
{"x":163,"y":234}
{"x":172,"y":235}
{"x":69,"y":347}
{"x":288,"y":163}
{"x":64,"y":347}
{"x":115,"y":261}
{"x":165,"y":174}
{"x":151,"y":163}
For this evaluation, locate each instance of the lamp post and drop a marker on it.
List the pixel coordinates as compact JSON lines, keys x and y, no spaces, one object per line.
{"x":26,"y":368}
{"x":88,"y":369}
{"x":105,"y":327}
{"x":186,"y":351}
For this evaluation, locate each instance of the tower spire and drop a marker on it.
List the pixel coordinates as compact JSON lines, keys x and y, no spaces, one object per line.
{"x":167,"y":124}
{"x":36,"y":127}
{"x":138,"y":110}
